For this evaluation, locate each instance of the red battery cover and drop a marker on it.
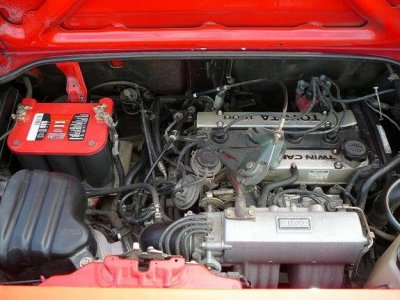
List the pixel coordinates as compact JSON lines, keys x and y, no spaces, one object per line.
{"x":60,"y":129}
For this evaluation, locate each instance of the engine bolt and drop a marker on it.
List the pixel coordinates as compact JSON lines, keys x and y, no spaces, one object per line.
{"x":251,"y":211}
{"x":220,"y":113}
{"x":249,"y":165}
{"x":328,"y":124}
{"x":220,"y":124}
{"x":84,"y":261}
{"x":335,"y":151}
{"x":338,"y":165}
{"x":229,"y":213}
{"x":16,"y":143}
{"x":92,"y":143}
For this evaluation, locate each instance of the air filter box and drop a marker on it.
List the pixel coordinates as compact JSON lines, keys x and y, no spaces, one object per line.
{"x":69,"y":138}
{"x":42,"y":222}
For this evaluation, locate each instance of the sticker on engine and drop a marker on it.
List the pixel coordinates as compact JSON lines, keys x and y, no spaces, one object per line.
{"x":318,"y":175}
{"x":78,"y":127}
{"x":39,"y":127}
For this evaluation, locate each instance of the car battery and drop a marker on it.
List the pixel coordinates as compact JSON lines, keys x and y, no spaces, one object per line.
{"x":70,"y":138}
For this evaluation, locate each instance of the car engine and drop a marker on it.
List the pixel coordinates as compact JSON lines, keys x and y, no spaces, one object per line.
{"x":259,"y":177}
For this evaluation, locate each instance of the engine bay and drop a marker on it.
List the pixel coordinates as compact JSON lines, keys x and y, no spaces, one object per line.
{"x":239,"y":173}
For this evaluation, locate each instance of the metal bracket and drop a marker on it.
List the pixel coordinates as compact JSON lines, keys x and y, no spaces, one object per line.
{"x":76,"y":88}
{"x":230,"y":213}
{"x":81,"y":258}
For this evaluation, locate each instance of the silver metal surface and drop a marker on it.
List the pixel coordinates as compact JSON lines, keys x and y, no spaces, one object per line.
{"x":310,"y":120}
{"x":315,"y":167}
{"x":290,"y":235}
{"x":105,"y":248}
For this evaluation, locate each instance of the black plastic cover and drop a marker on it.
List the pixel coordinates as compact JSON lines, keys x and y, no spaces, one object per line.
{"x":41,"y":219}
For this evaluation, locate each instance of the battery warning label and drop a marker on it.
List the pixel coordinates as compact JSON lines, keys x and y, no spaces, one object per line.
{"x":77,"y":127}
{"x":58,"y":127}
{"x":39,"y":127}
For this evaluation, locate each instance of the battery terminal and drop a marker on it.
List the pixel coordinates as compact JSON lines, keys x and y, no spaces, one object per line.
{"x":104,"y":116}
{"x":21,"y":113}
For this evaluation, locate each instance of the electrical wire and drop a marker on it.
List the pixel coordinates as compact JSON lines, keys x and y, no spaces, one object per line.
{"x":172,"y":227}
{"x":394,"y":123}
{"x":311,"y":194}
{"x":322,"y":123}
{"x":4,"y":135}
{"x":166,"y":147}
{"x":363,"y":98}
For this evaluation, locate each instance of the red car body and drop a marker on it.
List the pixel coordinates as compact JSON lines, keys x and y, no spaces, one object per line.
{"x":36,"y":31}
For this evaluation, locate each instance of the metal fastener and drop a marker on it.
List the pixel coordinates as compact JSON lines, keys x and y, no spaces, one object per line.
{"x":338,"y":165}
{"x":16,"y":142}
{"x":252,"y":211}
{"x":229,"y":213}
{"x":220,"y":113}
{"x":220,"y":124}
{"x":84,"y":261}
{"x":249,"y":165}
{"x":92,"y":143}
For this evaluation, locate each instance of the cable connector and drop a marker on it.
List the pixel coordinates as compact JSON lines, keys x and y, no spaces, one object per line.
{"x":103,"y":116}
{"x":379,"y":102}
{"x":21,"y":113}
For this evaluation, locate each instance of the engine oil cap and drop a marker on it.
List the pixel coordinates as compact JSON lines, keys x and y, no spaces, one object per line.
{"x":354,"y":149}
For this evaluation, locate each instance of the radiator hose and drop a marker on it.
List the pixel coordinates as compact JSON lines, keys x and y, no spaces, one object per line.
{"x":389,"y":204}
{"x":362,"y":196}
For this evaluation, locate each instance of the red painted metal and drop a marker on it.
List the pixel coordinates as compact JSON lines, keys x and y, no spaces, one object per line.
{"x":119,"y":272}
{"x":36,"y":29}
{"x":68,"y":129}
{"x":76,"y":88}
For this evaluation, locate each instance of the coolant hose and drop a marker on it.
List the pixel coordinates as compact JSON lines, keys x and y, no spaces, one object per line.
{"x":240,"y":200}
{"x":362,"y":196}
{"x":268,"y":188}
{"x":389,"y":204}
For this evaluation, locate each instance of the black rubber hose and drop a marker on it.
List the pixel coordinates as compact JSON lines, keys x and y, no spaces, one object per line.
{"x":137,"y":168}
{"x":126,"y":188}
{"x":268,"y":188}
{"x":156,"y":126}
{"x":363,"y":194}
{"x":348,"y":197}
{"x":388,"y":204}
{"x":360,"y":172}
{"x":147,"y":137}
{"x":28,"y":86}
{"x":135,"y":221}
{"x":120,"y":169}
{"x":172,"y":227}
{"x":158,"y":159}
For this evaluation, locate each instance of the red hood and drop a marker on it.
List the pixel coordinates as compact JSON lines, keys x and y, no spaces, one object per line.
{"x":34,"y":29}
